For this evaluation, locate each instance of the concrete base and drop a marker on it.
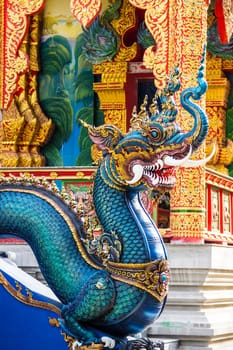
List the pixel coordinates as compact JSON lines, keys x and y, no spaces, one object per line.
{"x":199,"y":310}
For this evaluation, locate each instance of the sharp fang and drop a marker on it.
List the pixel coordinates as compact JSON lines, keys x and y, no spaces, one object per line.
{"x":160,"y":163}
{"x":168,"y":160}
{"x":138,"y":172}
{"x":196,"y":163}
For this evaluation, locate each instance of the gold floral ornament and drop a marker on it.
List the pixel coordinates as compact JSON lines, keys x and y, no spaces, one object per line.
{"x":156,"y":19}
{"x":14,"y":15}
{"x":85,"y":11}
{"x":152,"y":277}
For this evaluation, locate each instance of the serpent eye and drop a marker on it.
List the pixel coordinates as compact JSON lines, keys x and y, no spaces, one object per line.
{"x":157,"y":134}
{"x":154,"y":133}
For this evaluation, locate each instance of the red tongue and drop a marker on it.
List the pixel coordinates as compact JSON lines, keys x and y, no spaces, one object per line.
{"x":165,"y":172}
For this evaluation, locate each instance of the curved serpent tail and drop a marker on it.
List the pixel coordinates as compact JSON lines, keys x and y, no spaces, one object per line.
{"x":54,"y":233}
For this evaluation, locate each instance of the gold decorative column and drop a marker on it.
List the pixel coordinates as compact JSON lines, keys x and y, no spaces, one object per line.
{"x":216,"y":105}
{"x":111,"y":92}
{"x":24,"y":127}
{"x":11,"y":128}
{"x":45,"y":125}
{"x":187,"y":220}
{"x":25,"y":110}
{"x":179,"y":28}
{"x":111,"y":89}
{"x":13,"y":62}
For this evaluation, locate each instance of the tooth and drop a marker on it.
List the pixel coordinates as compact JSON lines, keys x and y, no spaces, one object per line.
{"x":138,"y":172}
{"x":201,"y":162}
{"x":155,"y":181}
{"x":160,"y":163}
{"x":169,"y":160}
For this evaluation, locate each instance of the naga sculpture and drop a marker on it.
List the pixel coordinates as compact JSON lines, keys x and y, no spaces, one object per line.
{"x":116,"y":285}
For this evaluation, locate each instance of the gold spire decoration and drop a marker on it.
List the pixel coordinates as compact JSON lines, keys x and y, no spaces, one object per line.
{"x":31,"y":126}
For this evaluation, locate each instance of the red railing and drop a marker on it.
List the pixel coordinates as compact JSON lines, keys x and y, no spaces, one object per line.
{"x":219,"y":208}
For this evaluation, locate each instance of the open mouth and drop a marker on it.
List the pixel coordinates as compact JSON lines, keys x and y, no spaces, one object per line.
{"x":164,"y":177}
{"x":155,"y":174}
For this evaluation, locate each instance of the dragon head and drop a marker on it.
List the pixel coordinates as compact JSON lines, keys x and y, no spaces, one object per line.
{"x":155,"y":145}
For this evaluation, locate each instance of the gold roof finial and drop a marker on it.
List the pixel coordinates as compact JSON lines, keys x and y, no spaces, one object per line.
{"x":162,"y":109}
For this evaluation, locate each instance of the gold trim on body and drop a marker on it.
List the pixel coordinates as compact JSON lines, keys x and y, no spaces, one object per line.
{"x":26,"y":299}
{"x":152,"y":277}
